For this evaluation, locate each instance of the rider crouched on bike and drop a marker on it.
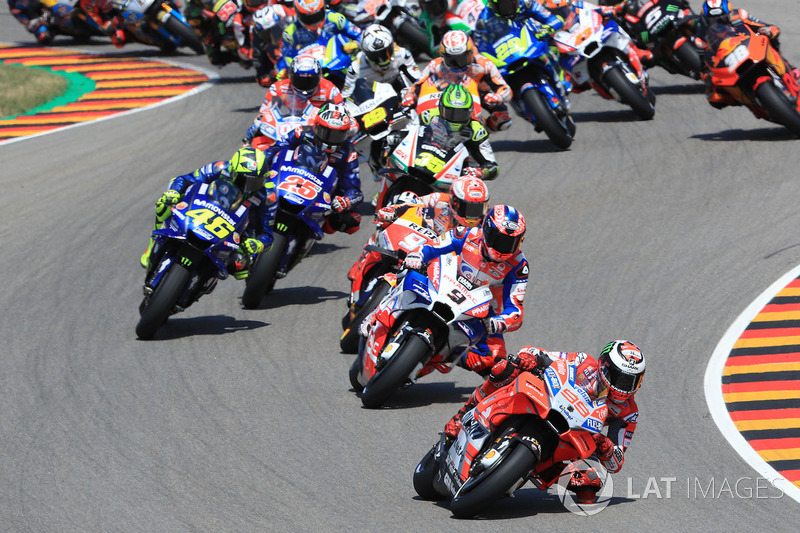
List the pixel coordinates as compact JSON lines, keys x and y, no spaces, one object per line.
{"x":616,"y":374}
{"x":458,"y":64}
{"x":719,"y":12}
{"x":106,"y":15}
{"x":455,"y":118}
{"x":489,"y":255}
{"x":291,"y":96}
{"x":332,"y":129}
{"x":380,"y":60}
{"x":312,"y":19}
{"x":247,"y":170}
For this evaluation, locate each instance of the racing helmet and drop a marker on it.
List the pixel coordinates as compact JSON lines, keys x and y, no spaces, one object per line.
{"x":504,"y":8}
{"x":621,"y":370}
{"x":331,"y":127}
{"x":435,"y":8}
{"x":503,"y":232}
{"x":632,"y":7}
{"x":455,"y":107}
{"x":560,"y":8}
{"x":265,"y":23}
{"x":456,"y":49}
{"x":304,"y":75}
{"x":469,"y":201}
{"x":247,"y":169}
{"x":310,"y":13}
{"x":716,"y":12}
{"x":377,"y":44}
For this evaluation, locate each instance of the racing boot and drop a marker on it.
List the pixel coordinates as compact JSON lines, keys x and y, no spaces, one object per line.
{"x":585,"y":484}
{"x":145,"y":259}
{"x":239,"y":265}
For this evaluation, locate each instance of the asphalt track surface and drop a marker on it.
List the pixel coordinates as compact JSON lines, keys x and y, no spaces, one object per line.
{"x":661,"y":232}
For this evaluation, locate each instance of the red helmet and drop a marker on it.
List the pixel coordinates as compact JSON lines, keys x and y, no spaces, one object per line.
{"x":456,"y":49}
{"x":503,"y":231}
{"x":331,"y":127}
{"x":310,"y":13}
{"x":469,"y":201}
{"x":621,"y":369}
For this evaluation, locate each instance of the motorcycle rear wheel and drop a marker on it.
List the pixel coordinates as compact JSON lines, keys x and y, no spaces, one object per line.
{"x":779,"y":108}
{"x":630,"y":93}
{"x":689,"y":59}
{"x":494,"y":486}
{"x":262,"y":274}
{"x":348,"y":342}
{"x":391,"y":377}
{"x":163,"y":301}
{"x":410,"y":34}
{"x":186,"y":33}
{"x":557,"y":131}
{"x":424,"y":475}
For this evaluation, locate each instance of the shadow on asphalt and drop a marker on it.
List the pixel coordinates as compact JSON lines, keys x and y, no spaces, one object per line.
{"x":177,"y":328}
{"x":770,"y":134}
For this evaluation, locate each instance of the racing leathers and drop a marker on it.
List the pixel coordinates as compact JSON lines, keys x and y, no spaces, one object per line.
{"x":296,"y":36}
{"x":106,"y":16}
{"x":492,"y":88}
{"x":508,"y":281}
{"x":282,"y":95}
{"x":400,"y":73}
{"x":620,"y":422}
{"x":345,"y":161}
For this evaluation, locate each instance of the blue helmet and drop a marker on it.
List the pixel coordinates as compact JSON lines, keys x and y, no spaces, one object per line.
{"x":716,"y":11}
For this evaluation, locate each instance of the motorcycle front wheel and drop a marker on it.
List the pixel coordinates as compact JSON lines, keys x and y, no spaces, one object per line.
{"x":558,"y":131}
{"x":163,"y":301}
{"x":779,"y":108}
{"x":188,"y":37}
{"x":424,"y":475}
{"x":689,"y":59}
{"x":518,"y":464}
{"x":262,"y":274}
{"x":391,"y":377}
{"x":630,"y":93}
{"x":348,"y":342}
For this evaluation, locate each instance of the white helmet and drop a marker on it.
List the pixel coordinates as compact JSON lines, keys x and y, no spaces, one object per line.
{"x":377,"y":44}
{"x":621,"y":367}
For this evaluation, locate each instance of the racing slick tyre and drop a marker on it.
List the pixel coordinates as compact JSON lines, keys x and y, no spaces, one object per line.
{"x":397,"y":370}
{"x":424,"y":475}
{"x":518,"y":464}
{"x":779,"y":108}
{"x":410,"y":34}
{"x":348,"y":342}
{"x":690,"y":59}
{"x":163,"y":301}
{"x":262,"y":274}
{"x":630,"y":93}
{"x":188,"y":37}
{"x":557,"y":130}
{"x":354,"y":369}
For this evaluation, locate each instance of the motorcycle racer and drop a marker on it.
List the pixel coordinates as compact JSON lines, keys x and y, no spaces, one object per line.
{"x":106,"y":16}
{"x":616,"y":375}
{"x":380,"y":60}
{"x":720,"y":12}
{"x":313,"y":19}
{"x":305,"y":85}
{"x":247,"y":170}
{"x":489,"y":255}
{"x":457,"y":64}
{"x":332,"y":129}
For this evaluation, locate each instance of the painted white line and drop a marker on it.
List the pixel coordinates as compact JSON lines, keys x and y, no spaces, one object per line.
{"x":713,"y":388}
{"x":213,"y":76}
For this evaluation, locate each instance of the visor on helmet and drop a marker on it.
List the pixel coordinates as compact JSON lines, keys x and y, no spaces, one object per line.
{"x":457,"y":115}
{"x":311,"y":19}
{"x":621,"y":381}
{"x":456,"y":62}
{"x":380,"y":57}
{"x":468,"y":210}
{"x":330,"y":136}
{"x":500,"y":242}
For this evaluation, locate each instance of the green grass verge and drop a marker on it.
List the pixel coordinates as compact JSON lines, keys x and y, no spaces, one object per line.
{"x":25,"y":88}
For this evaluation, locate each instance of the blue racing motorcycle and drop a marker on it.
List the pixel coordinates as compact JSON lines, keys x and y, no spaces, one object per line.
{"x":191,"y":251}
{"x":158,"y":23}
{"x":304,"y":184}
{"x":530,"y":71}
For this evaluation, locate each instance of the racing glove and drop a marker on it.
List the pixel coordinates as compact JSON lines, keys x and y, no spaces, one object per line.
{"x":472,"y":172}
{"x":543,"y":33}
{"x":413,"y":260}
{"x":491,"y":100}
{"x":252,"y":246}
{"x":530,"y":358}
{"x":350,"y":47}
{"x":611,"y":456}
{"x":165,"y":203}
{"x":341,"y":203}
{"x":409,"y":99}
{"x":385,"y":216}
{"x":495,"y":325}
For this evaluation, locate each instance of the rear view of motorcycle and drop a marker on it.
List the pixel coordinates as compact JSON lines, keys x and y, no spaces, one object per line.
{"x":158,"y":23}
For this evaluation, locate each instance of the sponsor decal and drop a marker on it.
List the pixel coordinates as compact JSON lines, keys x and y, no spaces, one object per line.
{"x":465,"y":282}
{"x":217,"y":209}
